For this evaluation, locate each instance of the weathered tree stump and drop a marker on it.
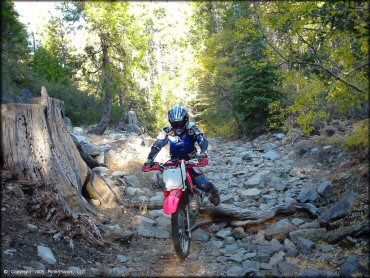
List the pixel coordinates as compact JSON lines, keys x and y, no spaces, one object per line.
{"x":130,"y":123}
{"x":36,"y":146}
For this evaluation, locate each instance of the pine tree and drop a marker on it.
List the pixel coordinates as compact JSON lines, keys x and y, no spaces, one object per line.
{"x":256,"y":85}
{"x":13,"y":34}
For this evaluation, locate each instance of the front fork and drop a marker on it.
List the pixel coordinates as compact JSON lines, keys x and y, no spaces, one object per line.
{"x":188,"y":230}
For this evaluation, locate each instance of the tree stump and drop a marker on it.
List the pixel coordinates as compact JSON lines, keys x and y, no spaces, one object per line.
{"x":36,"y":146}
{"x":130,"y":123}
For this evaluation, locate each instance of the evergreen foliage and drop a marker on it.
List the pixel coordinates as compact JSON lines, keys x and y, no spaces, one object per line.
{"x":14,"y":44}
{"x":237,"y":65}
{"x":255,"y":88}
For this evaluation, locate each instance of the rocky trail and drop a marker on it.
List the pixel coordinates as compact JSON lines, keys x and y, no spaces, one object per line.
{"x":258,"y":175}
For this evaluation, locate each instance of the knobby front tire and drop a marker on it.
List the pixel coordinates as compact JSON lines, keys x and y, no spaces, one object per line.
{"x":180,"y":237}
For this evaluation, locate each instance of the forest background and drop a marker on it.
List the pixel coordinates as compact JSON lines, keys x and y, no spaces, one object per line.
{"x":241,"y":67}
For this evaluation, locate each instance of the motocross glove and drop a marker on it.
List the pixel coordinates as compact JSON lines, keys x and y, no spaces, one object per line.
{"x":201,"y":156}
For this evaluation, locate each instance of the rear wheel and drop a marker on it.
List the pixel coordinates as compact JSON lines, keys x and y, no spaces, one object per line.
{"x":180,"y":232}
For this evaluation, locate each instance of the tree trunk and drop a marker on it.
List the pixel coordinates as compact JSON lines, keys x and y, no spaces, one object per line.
{"x":105,"y":120}
{"x":121,"y":108}
{"x":36,"y":147}
{"x":121,"y":100}
{"x":107,"y":88}
{"x":216,"y":17}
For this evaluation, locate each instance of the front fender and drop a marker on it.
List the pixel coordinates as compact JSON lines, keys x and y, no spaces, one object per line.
{"x":172,"y":202}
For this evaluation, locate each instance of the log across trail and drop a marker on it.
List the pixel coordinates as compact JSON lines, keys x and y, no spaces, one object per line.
{"x":235,"y":215}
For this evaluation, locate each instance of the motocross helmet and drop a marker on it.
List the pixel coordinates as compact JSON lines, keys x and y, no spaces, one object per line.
{"x":178,"y":118}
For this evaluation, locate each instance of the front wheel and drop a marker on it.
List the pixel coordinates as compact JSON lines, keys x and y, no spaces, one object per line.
{"x":180,"y":232}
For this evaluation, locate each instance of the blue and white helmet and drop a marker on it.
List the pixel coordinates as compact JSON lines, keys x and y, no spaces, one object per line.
{"x":178,"y":118}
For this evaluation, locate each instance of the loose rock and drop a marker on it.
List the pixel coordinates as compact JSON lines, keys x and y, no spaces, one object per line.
{"x":297,"y":221}
{"x":200,"y":235}
{"x":18,"y":192}
{"x":46,"y":254}
{"x":117,"y":271}
{"x":32,"y":228}
{"x":153,"y":232}
{"x":216,"y":244}
{"x":312,"y":234}
{"x":341,"y":208}
{"x":304,"y":245}
{"x":133,"y":181}
{"x":235,"y":271}
{"x":281,"y":227}
{"x":308,"y":194}
{"x":121,"y":258}
{"x":238,"y":233}
{"x":290,"y":248}
{"x":312,"y":272}
{"x":250,"y":266}
{"x":141,"y":220}
{"x":351,"y":267}
{"x":326,"y":189}
{"x":222,"y":234}
{"x":277,"y":257}
{"x":286,"y":269}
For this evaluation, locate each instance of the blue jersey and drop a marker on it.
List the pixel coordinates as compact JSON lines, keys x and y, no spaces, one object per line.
{"x":181,"y":147}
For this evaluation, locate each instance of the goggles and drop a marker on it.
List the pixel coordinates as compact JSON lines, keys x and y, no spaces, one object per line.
{"x":178,"y":124}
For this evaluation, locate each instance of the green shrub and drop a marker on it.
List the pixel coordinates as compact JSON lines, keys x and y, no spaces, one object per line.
{"x":220,"y":126}
{"x":81,"y":108}
{"x":359,"y":137}
{"x":276,"y":116}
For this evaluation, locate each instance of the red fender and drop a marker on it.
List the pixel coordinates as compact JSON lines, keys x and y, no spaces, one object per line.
{"x":171,"y":204}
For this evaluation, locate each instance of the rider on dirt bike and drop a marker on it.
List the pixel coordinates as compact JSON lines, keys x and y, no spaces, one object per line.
{"x":182,"y":136}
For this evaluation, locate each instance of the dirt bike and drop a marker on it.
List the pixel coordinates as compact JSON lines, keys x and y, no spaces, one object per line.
{"x":182,"y":199}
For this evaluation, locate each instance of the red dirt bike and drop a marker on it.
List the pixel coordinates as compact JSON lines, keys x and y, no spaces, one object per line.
{"x":182,"y":199}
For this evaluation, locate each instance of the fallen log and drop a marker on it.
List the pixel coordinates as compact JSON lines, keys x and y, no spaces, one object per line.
{"x":234,"y":215}
{"x":354,"y":231}
{"x":241,"y":217}
{"x":37,"y":147}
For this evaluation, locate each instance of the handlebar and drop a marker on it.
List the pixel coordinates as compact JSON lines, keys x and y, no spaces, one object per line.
{"x":188,"y":164}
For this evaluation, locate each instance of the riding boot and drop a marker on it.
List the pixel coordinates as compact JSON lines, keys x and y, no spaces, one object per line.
{"x":214,"y":196}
